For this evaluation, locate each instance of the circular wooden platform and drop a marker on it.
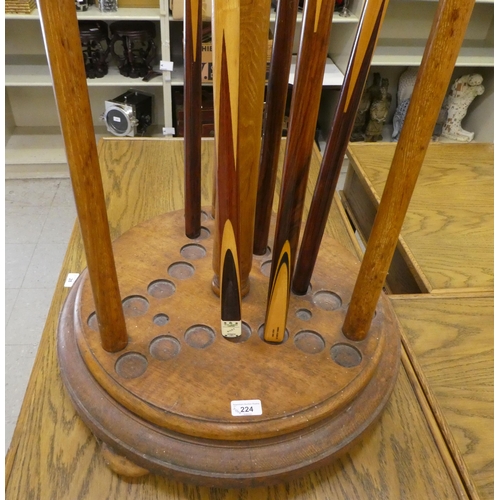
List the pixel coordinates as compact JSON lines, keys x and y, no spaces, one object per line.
{"x":167,"y":401}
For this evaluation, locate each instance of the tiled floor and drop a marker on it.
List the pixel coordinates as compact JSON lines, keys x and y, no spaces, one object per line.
{"x":39,"y":217}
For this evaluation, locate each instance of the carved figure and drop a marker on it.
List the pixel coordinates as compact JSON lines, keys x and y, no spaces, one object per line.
{"x":399,"y":118}
{"x":463,"y":91}
{"x":379,"y":110}
{"x":361,"y":118}
{"x":369,"y":95}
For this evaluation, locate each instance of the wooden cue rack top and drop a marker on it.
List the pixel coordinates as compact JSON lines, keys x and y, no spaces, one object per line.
{"x":139,"y":339}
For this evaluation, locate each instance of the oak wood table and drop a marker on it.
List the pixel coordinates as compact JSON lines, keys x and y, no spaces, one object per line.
{"x":446,"y":243}
{"x":451,"y":343}
{"x":54,"y":456}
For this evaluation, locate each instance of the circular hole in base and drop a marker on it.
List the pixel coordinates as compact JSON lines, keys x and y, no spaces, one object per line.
{"x":309,"y":342}
{"x":161,"y":289}
{"x":329,"y":301}
{"x":92,"y":322}
{"x":131,"y":365}
{"x":193,"y":251}
{"x":265,"y":268}
{"x":199,"y":336}
{"x":161,"y":319}
{"x":246,"y":331}
{"x":345,"y":355}
{"x":135,"y":305}
{"x":204,"y":233}
{"x":181,"y":270}
{"x":304,"y":314}
{"x":164,"y":347}
{"x":261,"y":335}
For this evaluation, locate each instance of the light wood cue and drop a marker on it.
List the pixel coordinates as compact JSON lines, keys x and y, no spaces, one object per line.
{"x":447,"y":32}
{"x":303,"y":116}
{"x":226,"y":34}
{"x":192,"y":117}
{"x":338,"y":139}
{"x":63,"y":46}
{"x":254,"y":31}
{"x":276,"y":96}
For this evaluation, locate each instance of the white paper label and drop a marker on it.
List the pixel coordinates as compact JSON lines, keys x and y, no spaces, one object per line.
{"x":70,"y":279}
{"x":246,"y":408}
{"x":166,"y":66}
{"x":117,"y":119}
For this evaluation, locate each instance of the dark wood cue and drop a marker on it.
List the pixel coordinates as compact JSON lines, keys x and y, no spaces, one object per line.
{"x":338,"y":139}
{"x":63,"y":47}
{"x":447,"y":33}
{"x":277,"y":89}
{"x":192,"y":117}
{"x":225,"y":33}
{"x":303,"y":116}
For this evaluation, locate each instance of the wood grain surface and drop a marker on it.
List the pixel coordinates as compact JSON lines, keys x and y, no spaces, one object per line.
{"x":53,"y":456}
{"x":447,"y":236}
{"x":438,"y":61}
{"x":452,"y":339}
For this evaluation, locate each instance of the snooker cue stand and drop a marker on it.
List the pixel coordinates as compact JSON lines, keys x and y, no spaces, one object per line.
{"x":163,"y":404}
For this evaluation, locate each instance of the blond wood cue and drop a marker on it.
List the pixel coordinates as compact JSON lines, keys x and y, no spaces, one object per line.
{"x":253,"y":27}
{"x":225,"y":36}
{"x":63,"y":46}
{"x":447,"y":32}
{"x":254,"y":30}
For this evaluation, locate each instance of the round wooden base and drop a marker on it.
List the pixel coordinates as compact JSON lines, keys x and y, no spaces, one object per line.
{"x":181,"y":400}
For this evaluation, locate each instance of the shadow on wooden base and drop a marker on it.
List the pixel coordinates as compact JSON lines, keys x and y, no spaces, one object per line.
{"x":182,"y":401}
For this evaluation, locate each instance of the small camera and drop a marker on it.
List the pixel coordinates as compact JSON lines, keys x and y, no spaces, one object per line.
{"x":129,"y":114}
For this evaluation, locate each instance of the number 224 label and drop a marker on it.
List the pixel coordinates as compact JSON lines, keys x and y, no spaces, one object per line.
{"x":246,"y":408}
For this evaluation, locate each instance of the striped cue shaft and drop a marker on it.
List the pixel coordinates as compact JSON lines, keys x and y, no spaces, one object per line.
{"x":447,"y":33}
{"x":63,"y":46}
{"x":192,"y":113}
{"x":338,"y":139}
{"x":226,"y":34}
{"x":277,"y":89}
{"x":303,"y":116}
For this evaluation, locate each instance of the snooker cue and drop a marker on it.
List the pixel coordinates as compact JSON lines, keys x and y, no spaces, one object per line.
{"x":64,"y":51}
{"x":277,"y":90}
{"x":438,"y":62}
{"x":225,"y":32}
{"x":192,"y":117}
{"x":338,"y":139}
{"x":306,"y":96}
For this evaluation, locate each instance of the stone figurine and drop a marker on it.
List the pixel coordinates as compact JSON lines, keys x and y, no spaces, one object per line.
{"x":379,"y":110}
{"x":362,"y":117}
{"x":463,"y":91}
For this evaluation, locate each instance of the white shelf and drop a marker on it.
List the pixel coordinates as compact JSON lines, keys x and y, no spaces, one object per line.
{"x":33,"y":71}
{"x":94,"y":13}
{"x":396,"y":53}
{"x":332,"y":77}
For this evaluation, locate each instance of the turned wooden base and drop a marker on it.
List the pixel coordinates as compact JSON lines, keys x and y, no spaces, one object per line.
{"x":165,"y":402}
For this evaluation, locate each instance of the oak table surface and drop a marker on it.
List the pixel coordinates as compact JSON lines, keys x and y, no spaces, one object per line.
{"x":448,"y":231}
{"x":54,"y":456}
{"x":452,"y":339}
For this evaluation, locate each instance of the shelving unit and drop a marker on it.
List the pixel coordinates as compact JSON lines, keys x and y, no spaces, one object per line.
{"x":32,"y":127}
{"x":34,"y":145}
